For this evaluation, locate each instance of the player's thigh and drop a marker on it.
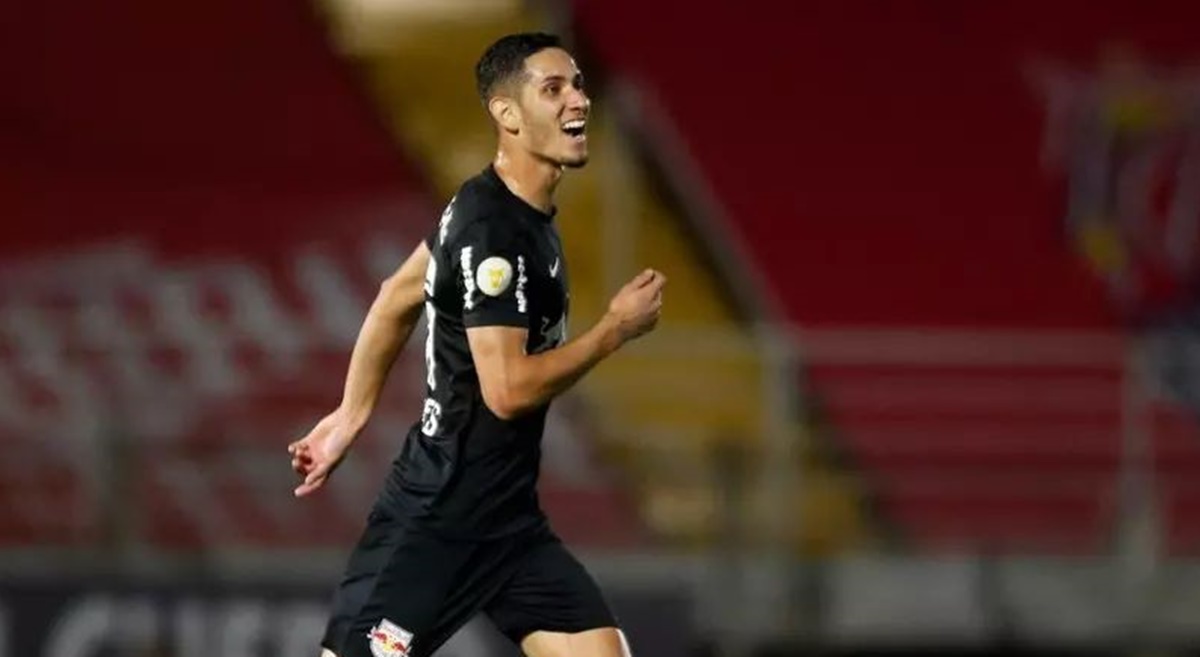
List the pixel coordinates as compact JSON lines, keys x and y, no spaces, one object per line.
{"x":428,"y":590}
{"x":404,"y":613}
{"x":550,"y":592}
{"x":599,"y":642}
{"x":367,"y":560}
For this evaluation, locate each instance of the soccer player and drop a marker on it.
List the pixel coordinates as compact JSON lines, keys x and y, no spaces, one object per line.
{"x":457,"y":528}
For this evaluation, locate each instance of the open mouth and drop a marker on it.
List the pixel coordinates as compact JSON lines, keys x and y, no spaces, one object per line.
{"x":575,"y":129}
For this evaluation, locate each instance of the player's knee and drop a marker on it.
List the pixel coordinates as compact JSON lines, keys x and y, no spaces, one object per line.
{"x":600,"y":642}
{"x":326,"y":652}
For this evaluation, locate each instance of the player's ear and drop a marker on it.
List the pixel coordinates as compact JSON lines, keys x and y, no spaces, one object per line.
{"x":505,"y":113}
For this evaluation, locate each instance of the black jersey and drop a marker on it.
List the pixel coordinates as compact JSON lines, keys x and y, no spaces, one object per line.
{"x":495,"y":261}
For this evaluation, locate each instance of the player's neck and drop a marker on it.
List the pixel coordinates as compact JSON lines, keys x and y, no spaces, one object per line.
{"x":531,"y":179}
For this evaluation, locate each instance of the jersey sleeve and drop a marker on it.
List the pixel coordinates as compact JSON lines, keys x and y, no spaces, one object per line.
{"x":490,"y":262}
{"x":438,"y":233}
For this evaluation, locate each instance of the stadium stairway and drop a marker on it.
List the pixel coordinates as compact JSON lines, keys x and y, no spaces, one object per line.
{"x":677,"y":408}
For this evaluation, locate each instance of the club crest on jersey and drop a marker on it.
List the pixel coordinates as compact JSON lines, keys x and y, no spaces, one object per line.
{"x":389,"y":639}
{"x":493,"y":276}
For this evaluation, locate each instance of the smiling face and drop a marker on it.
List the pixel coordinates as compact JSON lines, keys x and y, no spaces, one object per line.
{"x":554,"y":109}
{"x":543,"y":110}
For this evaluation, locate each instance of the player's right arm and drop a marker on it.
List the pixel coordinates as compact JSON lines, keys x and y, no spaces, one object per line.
{"x":514,"y":382}
{"x":491,"y":260}
{"x":389,"y":323}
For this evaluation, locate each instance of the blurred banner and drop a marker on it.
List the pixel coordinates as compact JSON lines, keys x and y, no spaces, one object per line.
{"x":211,"y":619}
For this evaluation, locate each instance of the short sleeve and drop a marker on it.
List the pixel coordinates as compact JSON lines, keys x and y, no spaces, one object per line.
{"x":491,"y":261}
{"x":438,"y":234}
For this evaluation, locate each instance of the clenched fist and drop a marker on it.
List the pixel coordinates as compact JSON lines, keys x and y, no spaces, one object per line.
{"x":636,"y":307}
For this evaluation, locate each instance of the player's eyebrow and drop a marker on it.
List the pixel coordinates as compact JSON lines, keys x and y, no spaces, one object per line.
{"x":557,"y":77}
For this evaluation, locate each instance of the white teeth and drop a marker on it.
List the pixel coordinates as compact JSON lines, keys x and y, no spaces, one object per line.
{"x":572,"y":125}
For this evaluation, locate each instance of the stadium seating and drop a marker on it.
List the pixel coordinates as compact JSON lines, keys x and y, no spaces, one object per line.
{"x":203,"y":207}
{"x":984,"y":449}
{"x":890,"y":178}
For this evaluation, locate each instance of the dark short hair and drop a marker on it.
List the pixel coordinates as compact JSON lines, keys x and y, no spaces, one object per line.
{"x":505,"y":59}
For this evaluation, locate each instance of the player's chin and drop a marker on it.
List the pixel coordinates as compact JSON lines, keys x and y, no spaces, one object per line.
{"x":574,"y":158}
{"x":575,"y":161}
{"x":574,"y":152}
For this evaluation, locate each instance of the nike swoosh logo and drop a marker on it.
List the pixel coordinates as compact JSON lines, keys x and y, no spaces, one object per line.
{"x":554,"y":269}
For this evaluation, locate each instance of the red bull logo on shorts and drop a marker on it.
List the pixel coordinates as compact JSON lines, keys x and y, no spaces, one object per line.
{"x":389,"y":639}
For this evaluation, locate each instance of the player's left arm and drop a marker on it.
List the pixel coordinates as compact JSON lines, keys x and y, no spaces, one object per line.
{"x":389,"y":323}
{"x":393,"y":315}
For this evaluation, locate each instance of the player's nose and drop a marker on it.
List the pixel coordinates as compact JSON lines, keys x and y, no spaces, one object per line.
{"x":577,"y":100}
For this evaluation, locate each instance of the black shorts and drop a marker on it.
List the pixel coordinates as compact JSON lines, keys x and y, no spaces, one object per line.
{"x":405,"y":593}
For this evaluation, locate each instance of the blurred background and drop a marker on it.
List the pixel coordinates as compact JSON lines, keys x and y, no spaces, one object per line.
{"x":924,"y":384}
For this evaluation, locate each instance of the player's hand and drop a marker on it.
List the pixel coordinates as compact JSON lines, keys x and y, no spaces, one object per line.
{"x":637,"y":306}
{"x":315,"y":456}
